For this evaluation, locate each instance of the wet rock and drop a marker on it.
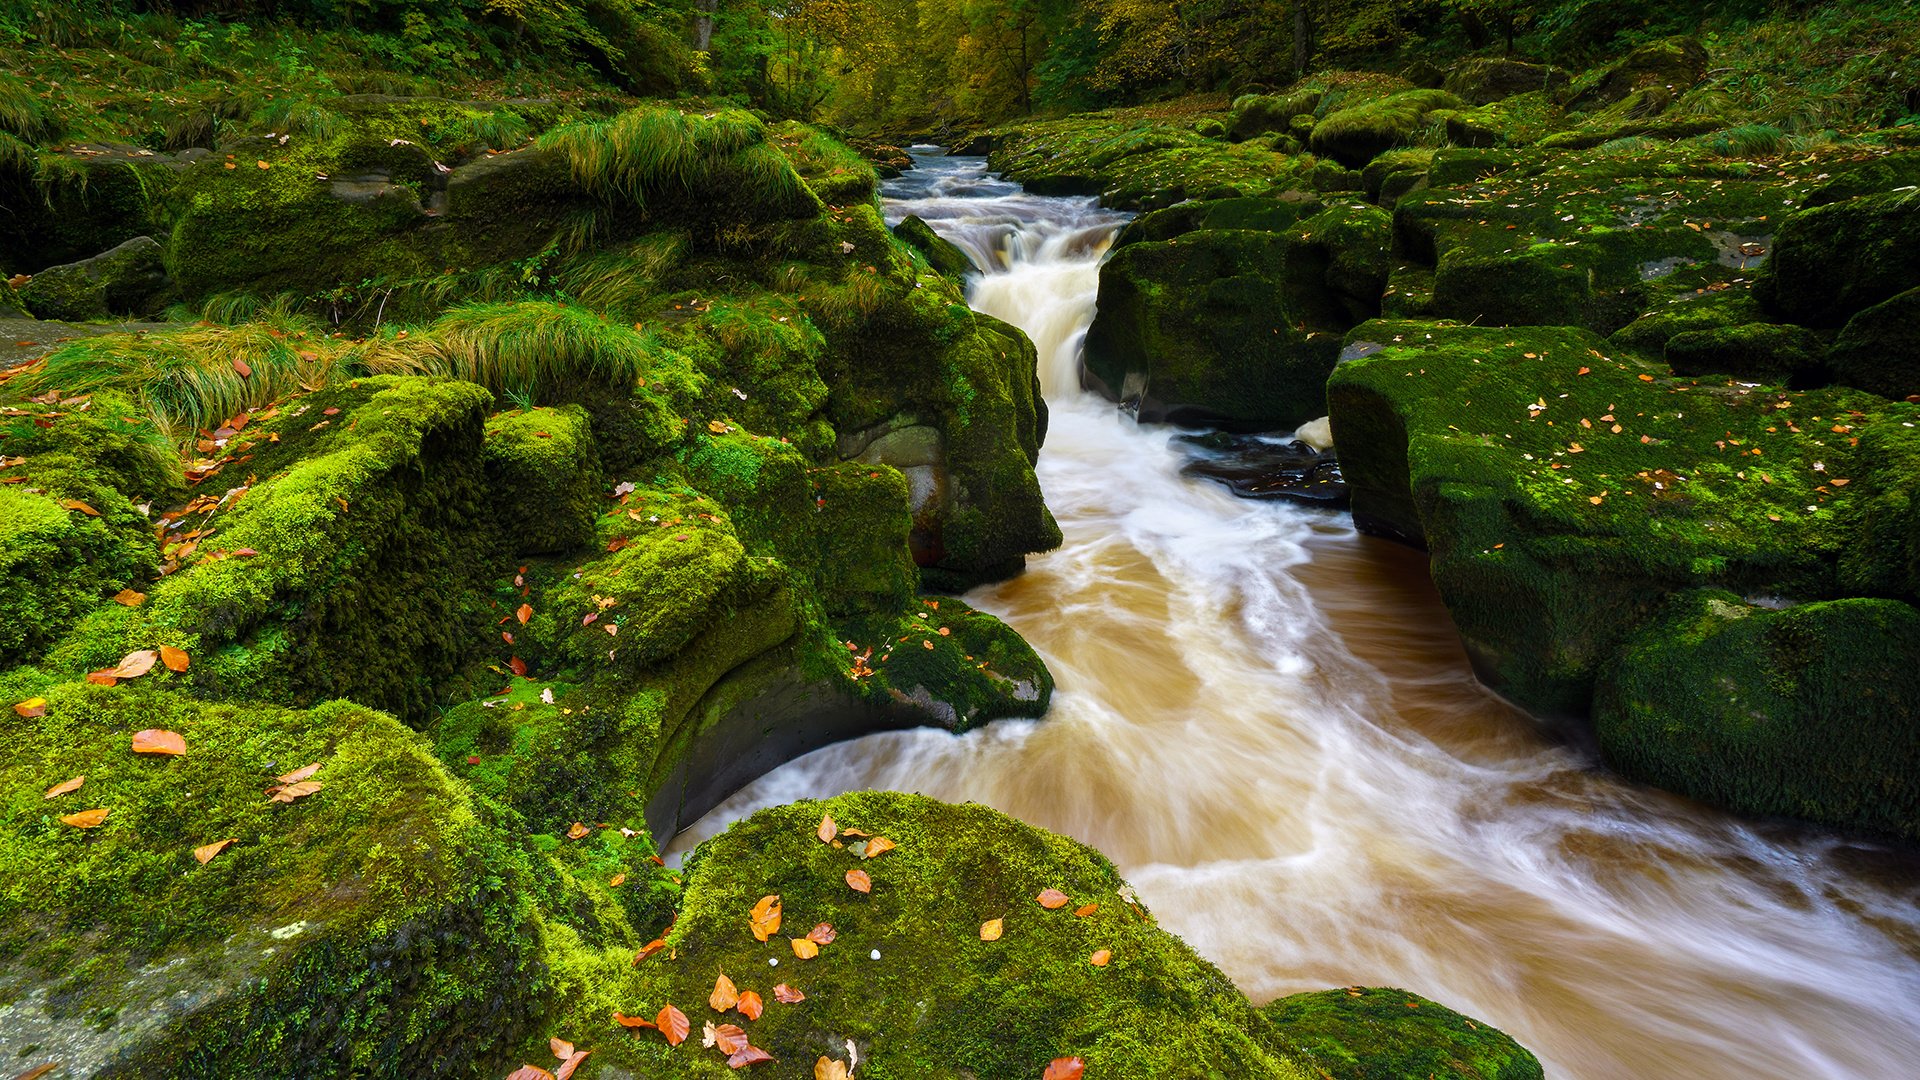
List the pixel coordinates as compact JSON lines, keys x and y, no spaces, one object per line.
{"x":943,"y":254}
{"x":1266,"y":467}
{"x":1372,"y":1033}
{"x":124,"y":281}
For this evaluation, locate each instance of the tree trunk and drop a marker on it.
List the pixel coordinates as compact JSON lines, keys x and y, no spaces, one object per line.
{"x":703,"y":26}
{"x":1302,"y":38}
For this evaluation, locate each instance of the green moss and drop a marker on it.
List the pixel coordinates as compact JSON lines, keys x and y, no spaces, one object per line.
{"x":1832,"y":261}
{"x":1767,"y":352}
{"x":55,"y":565}
{"x":942,"y":254}
{"x":1257,"y":114}
{"x":542,"y":466}
{"x":1376,"y":1033}
{"x":1879,"y":348}
{"x":1260,"y":214}
{"x":1807,"y":712}
{"x":1135,"y":160}
{"x":1357,"y":135}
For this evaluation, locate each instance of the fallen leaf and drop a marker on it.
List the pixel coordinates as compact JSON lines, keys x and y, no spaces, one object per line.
{"x":617,"y":881}
{"x":877,"y":845}
{"x":991,"y":929}
{"x":716,"y":427}
{"x":568,"y":1066}
{"x":730,"y":1038}
{"x":156,"y":741}
{"x":858,"y":881}
{"x":804,"y":949}
{"x":129,"y":598}
{"x":175,"y":659}
{"x":527,"y":1072}
{"x":76,"y":504}
{"x":766,"y":917}
{"x":1085,"y":910}
{"x":1646,"y":378}
{"x":38,"y":1071}
{"x":30,"y":708}
{"x":205,"y":852}
{"x":1100,"y":957}
{"x":518,"y":666}
{"x":787,"y":995}
{"x":1066,"y":1068}
{"x":748,"y":1055}
{"x":241,"y":369}
{"x":135,"y":664}
{"x":725,"y":995}
{"x":626,"y":1021}
{"x":577,"y":830}
{"x":673,"y":1024}
{"x":85,"y":819}
{"x":751,"y":1006}
{"x":102,"y":678}
{"x":828,"y":1069}
{"x":1052,"y":898}
{"x":64,"y":786}
{"x":523,"y":613}
{"x":649,"y":949}
{"x":827,"y":830}
{"x":561,"y":1048}
{"x":304,"y":772}
{"x":822,"y":934}
{"x":293,"y":791}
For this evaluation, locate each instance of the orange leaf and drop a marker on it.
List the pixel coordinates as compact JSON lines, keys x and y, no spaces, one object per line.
{"x":304,"y":772}
{"x":1085,"y":910}
{"x":577,"y":830}
{"x":518,"y":666}
{"x":523,"y":613}
{"x":804,"y":949}
{"x":573,"y":1062}
{"x":524,"y":1072}
{"x":626,"y":1021}
{"x":561,"y":1048}
{"x":64,"y":786}
{"x":85,"y":819}
{"x":673,"y":1024}
{"x":32,"y":707}
{"x":649,"y":949}
{"x":822,"y":934}
{"x":858,"y":881}
{"x":766,"y":917}
{"x":617,"y":881}
{"x":725,"y":996}
{"x":129,"y":598}
{"x":1066,"y":1068}
{"x":748,"y":1055}
{"x":76,"y":504}
{"x":787,"y":995}
{"x":827,"y":831}
{"x":730,"y":1038}
{"x":102,"y":678}
{"x":205,"y":852}
{"x":828,"y":1069}
{"x":1100,"y":957}
{"x":241,"y":369}
{"x":293,"y":791}
{"x":156,"y":741}
{"x":175,"y":659}
{"x":877,"y":845}
{"x":135,"y":664}
{"x":1052,"y":898}
{"x":750,"y":1005}
{"x":992,"y":929}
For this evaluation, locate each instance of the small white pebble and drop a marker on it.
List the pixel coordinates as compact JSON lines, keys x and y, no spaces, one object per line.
{"x":773,"y":961}
{"x":874,"y":955}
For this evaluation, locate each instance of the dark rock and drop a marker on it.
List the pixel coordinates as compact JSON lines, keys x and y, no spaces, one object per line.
{"x":1879,"y":349}
{"x":1481,"y":80}
{"x":98,"y":196}
{"x":1833,"y":261}
{"x":1901,"y":170}
{"x":123,"y":281}
{"x":1674,"y":65}
{"x":1266,"y":467}
{"x":975,"y":145}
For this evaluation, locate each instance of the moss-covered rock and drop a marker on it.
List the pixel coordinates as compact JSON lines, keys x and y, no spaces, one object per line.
{"x":1378,"y":1033}
{"x":1671,"y":65}
{"x":1355,"y":136}
{"x":1808,"y":712}
{"x":1258,"y":114}
{"x":1835,"y":260}
{"x":1482,"y":80}
{"x":1136,"y":160}
{"x":1879,"y":348}
{"x":1264,"y":215}
{"x":942,"y":254}
{"x":542,"y":466}
{"x":1766,"y":352}
{"x":70,"y":205}
{"x":1874,"y":176}
{"x":123,"y":281}
{"x":369,"y":928}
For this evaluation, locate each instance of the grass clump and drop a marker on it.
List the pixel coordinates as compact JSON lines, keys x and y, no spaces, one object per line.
{"x":655,"y":154}
{"x":538,"y":346}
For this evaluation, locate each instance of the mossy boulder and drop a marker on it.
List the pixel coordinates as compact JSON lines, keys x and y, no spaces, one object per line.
{"x":1265,"y":215}
{"x":1835,"y":260}
{"x":1482,"y":80}
{"x":1672,"y":65}
{"x":542,"y":466}
{"x":1812,"y":712}
{"x":56,"y":564}
{"x":1875,"y":176}
{"x":124,"y":281}
{"x":1355,"y":136}
{"x":942,"y":254}
{"x":1879,"y":348}
{"x":368,"y":928}
{"x":68,"y":205}
{"x":1766,"y":352}
{"x":1379,"y":1033}
{"x":1136,"y":160}
{"x":1258,"y":114}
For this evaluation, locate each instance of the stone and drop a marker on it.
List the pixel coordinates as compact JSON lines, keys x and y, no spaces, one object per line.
{"x":1835,"y":260}
{"x":126,"y":280}
{"x":1879,"y":348}
{"x":1482,"y":80}
{"x":942,"y":254}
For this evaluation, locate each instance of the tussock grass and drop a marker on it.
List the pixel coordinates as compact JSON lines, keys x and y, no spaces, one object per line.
{"x":188,"y":380}
{"x":653,"y":153}
{"x":23,"y":115}
{"x":1747,"y":141}
{"x":533,"y":346}
{"x":623,"y":280}
{"x":298,"y":116}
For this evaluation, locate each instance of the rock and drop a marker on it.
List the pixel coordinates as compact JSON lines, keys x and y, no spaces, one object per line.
{"x":1873,"y":177}
{"x":1373,"y":1033}
{"x":1672,"y":65}
{"x":978,"y":145}
{"x":1833,"y":261}
{"x":1812,"y":712}
{"x":94,"y":197}
{"x":1316,"y":433}
{"x":1763,"y":352}
{"x":942,"y":254}
{"x":124,"y":281}
{"x":543,"y":465}
{"x":1879,"y":348}
{"x":1257,"y":114}
{"x":1357,"y":135}
{"x":1481,"y":80}
{"x":1266,"y":467}
{"x":1263,"y":215}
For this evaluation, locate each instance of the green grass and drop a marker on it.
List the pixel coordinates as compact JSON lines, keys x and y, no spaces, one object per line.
{"x":537,"y":346}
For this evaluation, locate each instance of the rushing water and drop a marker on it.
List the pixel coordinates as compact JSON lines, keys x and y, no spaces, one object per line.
{"x":1266,"y":721}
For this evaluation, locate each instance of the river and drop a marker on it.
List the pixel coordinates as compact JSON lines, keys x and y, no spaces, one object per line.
{"x":1266,"y":721}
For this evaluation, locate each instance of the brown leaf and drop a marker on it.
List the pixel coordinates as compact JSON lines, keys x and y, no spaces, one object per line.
{"x":725,"y":995}
{"x":135,"y":664}
{"x":175,"y":659}
{"x":85,"y":819}
{"x":30,"y":708}
{"x":766,"y":917}
{"x":804,"y":949}
{"x":304,"y":772}
{"x":518,"y":666}
{"x":573,"y":1062}
{"x":1052,"y":898}
{"x":787,"y":995}
{"x":1066,"y":1068}
{"x":205,"y":852}
{"x":828,"y":1069}
{"x":858,"y":881}
{"x":293,"y":791}
{"x":1085,"y":910}
{"x":822,"y":934}
{"x":748,"y":1055}
{"x":750,"y":1005}
{"x":129,"y":598}
{"x":157,"y":741}
{"x":241,"y":369}
{"x":577,"y":830}
{"x":523,"y":613}
{"x":649,"y":949}
{"x":626,"y":1021}
{"x":524,"y":1072}
{"x":673,"y":1024}
{"x":561,"y":1048}
{"x":102,"y":678}
{"x":827,"y":831}
{"x":992,"y":929}
{"x":1100,"y":957}
{"x":878,"y":845}
{"x":730,"y":1038}
{"x":38,"y":1071}
{"x":76,"y":504}
{"x":64,"y":786}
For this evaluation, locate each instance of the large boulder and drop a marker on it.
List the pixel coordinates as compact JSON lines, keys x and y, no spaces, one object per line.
{"x":1671,"y":65}
{"x":942,"y":254}
{"x":1486,"y":79}
{"x":1832,"y":261}
{"x":1357,"y":135}
{"x":1811,"y":712}
{"x":1380,"y":1033}
{"x":1879,"y":348}
{"x":124,"y":281}
{"x":1765,"y":352}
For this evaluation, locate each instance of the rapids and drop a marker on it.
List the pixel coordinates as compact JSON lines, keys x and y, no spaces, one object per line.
{"x":1266,"y":721}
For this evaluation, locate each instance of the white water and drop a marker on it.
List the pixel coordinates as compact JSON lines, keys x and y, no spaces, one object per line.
{"x":1266,"y":722}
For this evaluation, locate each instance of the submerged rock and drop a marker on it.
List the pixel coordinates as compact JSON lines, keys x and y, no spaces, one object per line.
{"x":1266,"y":467}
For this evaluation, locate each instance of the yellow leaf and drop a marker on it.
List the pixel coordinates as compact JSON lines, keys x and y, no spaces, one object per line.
{"x":85,"y":819}
{"x":205,"y":852}
{"x":64,"y":786}
{"x":30,"y":708}
{"x":991,"y":929}
{"x":804,"y":949}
